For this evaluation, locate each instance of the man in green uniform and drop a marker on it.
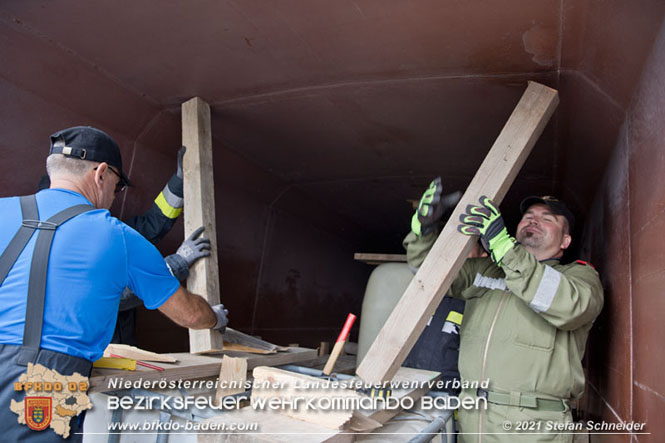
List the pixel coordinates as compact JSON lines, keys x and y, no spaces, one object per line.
{"x":526,"y":321}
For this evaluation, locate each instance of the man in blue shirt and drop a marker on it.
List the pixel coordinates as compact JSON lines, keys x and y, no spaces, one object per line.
{"x":68,"y":316}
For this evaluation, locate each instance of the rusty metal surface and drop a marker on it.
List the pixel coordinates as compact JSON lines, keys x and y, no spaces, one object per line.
{"x":625,"y":229}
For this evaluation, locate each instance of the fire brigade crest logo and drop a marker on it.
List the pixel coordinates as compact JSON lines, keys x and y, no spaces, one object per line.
{"x":51,"y":399}
{"x":38,"y":412}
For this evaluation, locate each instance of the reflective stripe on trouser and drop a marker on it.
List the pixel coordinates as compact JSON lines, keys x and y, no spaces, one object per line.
{"x":495,"y":418}
{"x":10,"y":429}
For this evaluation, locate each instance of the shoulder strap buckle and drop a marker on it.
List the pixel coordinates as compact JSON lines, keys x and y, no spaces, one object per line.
{"x":39,"y":224}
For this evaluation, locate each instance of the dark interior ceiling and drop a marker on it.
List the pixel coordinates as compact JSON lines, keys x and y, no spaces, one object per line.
{"x":355,"y":103}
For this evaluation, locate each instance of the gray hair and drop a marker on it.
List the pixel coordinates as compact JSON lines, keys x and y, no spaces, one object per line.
{"x":58,"y":165}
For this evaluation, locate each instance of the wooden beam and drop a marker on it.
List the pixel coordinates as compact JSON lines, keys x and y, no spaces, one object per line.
{"x":324,"y":348}
{"x":199,"y":194}
{"x":232,"y":377}
{"x":450,"y":250}
{"x":377,"y":259}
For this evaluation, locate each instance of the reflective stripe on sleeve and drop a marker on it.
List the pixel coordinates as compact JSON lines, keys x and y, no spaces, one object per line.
{"x":488,"y":282}
{"x":169,"y":203}
{"x":455,"y":317}
{"x":546,"y":291}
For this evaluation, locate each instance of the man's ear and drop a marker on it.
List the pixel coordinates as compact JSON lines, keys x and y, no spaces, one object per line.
{"x":99,"y":174}
{"x":565,"y":242}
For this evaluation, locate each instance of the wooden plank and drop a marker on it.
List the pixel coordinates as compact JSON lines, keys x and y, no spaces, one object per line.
{"x":232,"y":377}
{"x":444,"y":261}
{"x":135,"y":353}
{"x":199,"y":194}
{"x":376,"y":259}
{"x":192,"y":366}
{"x":293,"y":386}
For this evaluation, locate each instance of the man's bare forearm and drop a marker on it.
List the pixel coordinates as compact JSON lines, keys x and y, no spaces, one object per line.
{"x":189,"y":310}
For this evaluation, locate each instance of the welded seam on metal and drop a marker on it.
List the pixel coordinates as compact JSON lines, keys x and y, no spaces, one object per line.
{"x":596,"y":88}
{"x":352,"y":83}
{"x":266,"y":235}
{"x":13,"y":21}
{"x":129,"y":174}
{"x":556,"y":155}
{"x":146,"y":128}
{"x":559,"y":48}
{"x":630,"y":276}
{"x":323,"y":87}
{"x":609,"y":406}
{"x":649,"y":389}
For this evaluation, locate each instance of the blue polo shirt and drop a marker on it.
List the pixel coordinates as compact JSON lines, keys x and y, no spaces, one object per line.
{"x":93,"y":258}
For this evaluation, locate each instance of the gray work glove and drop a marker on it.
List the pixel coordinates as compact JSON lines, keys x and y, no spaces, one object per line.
{"x":194,"y":248}
{"x":189,"y":251}
{"x":175,"y":184}
{"x":181,"y":154}
{"x":220,"y":312}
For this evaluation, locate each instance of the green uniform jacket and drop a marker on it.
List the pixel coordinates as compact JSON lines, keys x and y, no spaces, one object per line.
{"x":526,"y":323}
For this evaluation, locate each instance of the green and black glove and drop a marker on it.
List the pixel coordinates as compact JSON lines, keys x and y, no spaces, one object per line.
{"x":429,"y":210}
{"x":486,"y":221}
{"x":432,"y":207}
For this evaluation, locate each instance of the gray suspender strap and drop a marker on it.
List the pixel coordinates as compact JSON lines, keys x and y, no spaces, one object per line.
{"x":34,"y":312}
{"x":21,"y":238}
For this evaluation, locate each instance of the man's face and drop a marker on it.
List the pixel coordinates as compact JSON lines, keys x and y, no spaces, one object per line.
{"x":542,"y":232}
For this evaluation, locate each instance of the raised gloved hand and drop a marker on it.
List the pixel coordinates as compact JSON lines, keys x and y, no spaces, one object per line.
{"x":181,"y":154}
{"x":486,"y":221}
{"x":194,"y":248}
{"x":220,"y":312}
{"x":431,"y":208}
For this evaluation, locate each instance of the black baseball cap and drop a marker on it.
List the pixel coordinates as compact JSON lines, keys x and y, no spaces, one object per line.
{"x":556,"y":206}
{"x":88,"y":143}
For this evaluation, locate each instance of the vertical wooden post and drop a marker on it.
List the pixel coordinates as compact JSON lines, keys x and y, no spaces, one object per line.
{"x":445,"y":259}
{"x":199,"y":194}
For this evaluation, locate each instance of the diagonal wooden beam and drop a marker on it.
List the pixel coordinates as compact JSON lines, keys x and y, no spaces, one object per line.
{"x":424,"y":293}
{"x":199,"y":194}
